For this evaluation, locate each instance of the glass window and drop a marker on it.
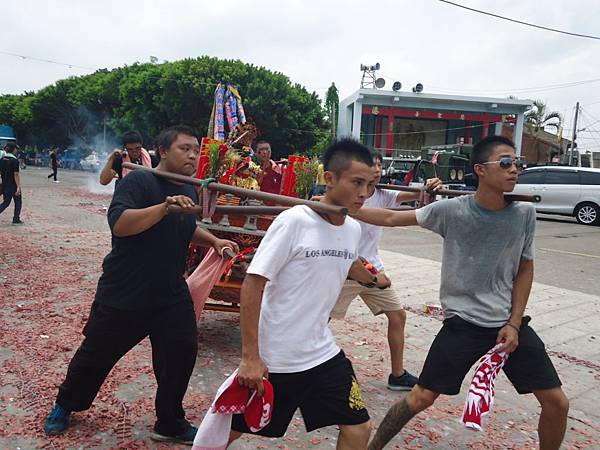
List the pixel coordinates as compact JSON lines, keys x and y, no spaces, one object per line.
{"x":531,"y":177}
{"x":589,"y":177}
{"x":562,"y":177}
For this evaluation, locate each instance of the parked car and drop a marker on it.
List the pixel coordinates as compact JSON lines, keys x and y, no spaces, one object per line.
{"x":91,"y":163}
{"x":70,"y":159}
{"x":569,"y":191}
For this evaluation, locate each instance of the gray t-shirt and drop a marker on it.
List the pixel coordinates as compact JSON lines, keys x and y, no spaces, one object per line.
{"x":482,"y":252}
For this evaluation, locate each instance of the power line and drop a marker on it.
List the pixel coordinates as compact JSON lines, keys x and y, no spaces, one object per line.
{"x":157,"y":77}
{"x":525,"y":90}
{"x":33,"y":58}
{"x":522,"y":90}
{"x":541,"y":27}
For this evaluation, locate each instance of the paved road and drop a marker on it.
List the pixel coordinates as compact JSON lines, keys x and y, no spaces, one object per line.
{"x":67,"y":225}
{"x":567,"y":254}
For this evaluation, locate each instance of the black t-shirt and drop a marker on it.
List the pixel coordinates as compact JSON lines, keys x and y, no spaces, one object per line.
{"x":145,"y":271}
{"x":8,"y":167}
{"x":54,"y":161}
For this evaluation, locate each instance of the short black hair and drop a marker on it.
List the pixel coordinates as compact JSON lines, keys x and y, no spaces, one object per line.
{"x":132,"y":137}
{"x":260,"y":141}
{"x":166,"y":137}
{"x":339,"y":155}
{"x":376,"y":154}
{"x":483,"y":149}
{"x":11,"y":144}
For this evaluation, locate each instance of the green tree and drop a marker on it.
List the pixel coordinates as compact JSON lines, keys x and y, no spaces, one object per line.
{"x":150,"y":96}
{"x":332,"y":102}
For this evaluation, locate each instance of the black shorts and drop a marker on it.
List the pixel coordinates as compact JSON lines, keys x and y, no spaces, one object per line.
{"x":327,"y":394}
{"x":459,"y":345}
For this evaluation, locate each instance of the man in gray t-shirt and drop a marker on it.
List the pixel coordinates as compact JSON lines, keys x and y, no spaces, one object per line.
{"x":477,"y":285}
{"x":487,"y":273}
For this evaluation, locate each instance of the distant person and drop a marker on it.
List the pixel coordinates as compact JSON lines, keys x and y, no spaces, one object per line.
{"x":271,"y":177}
{"x":54,"y":164}
{"x":11,"y":181}
{"x":22,"y":163}
{"x":132,"y":151}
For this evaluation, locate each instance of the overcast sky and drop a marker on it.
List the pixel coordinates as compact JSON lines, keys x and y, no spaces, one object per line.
{"x":449,"y":50}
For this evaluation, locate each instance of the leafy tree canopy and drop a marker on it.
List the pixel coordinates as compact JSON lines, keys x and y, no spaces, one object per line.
{"x":149,"y":97}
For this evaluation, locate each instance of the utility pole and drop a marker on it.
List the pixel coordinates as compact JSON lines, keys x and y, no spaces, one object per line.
{"x":574,"y":135}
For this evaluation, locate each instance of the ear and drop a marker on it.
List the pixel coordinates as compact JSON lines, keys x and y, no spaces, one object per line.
{"x":162,"y":152}
{"x":330,"y":178}
{"x":479,"y":170}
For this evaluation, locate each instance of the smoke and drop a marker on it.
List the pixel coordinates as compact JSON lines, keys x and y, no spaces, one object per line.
{"x":92,"y":184}
{"x":94,"y":137}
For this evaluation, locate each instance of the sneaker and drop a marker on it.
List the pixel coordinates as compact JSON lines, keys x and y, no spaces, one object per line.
{"x":57,"y":421}
{"x":56,"y":181}
{"x":18,"y":222}
{"x":404,"y":382}
{"x":187,"y":437}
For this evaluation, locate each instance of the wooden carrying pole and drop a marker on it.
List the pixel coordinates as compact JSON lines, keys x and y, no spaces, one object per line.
{"x":241,"y":192}
{"x":452,"y":193}
{"x":245,"y":210}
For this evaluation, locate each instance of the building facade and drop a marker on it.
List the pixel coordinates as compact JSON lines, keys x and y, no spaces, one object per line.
{"x":400,"y":123}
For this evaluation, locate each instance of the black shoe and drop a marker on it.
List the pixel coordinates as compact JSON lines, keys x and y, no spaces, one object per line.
{"x":187,"y":437}
{"x":18,"y":222}
{"x":404,"y":382}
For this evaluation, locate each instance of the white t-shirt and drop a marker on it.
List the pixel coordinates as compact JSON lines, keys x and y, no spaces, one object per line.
{"x":306,"y":260}
{"x":371,"y":234}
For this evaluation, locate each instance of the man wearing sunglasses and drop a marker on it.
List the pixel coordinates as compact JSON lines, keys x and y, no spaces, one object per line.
{"x":132,"y":151}
{"x":492,"y":241}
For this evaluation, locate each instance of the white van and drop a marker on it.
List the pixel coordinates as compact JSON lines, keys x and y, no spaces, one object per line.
{"x":569,"y":191}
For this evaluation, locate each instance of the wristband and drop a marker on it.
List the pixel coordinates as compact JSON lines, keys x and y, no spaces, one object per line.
{"x":513,"y":326}
{"x":205,"y":182}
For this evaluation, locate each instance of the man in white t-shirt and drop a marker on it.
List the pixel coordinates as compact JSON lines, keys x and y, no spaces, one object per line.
{"x":290,"y":288}
{"x":378,"y":294}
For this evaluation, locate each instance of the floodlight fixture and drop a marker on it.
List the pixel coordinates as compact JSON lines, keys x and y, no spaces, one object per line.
{"x":418,"y":88}
{"x":396,"y":86}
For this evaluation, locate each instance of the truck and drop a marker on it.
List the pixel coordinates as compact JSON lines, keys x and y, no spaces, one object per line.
{"x":450,"y":163}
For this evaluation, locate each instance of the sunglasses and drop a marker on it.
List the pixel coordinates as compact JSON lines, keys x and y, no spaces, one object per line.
{"x":507,"y":163}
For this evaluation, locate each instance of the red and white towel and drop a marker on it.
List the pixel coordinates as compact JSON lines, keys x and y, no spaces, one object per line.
{"x":231,"y":398}
{"x":482,"y":389}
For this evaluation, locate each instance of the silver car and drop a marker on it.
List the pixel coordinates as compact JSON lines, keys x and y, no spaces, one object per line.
{"x":569,"y":191}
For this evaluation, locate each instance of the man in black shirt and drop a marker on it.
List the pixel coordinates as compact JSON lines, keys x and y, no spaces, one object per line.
{"x":11,"y":181}
{"x":133,"y":151}
{"x":54,"y":164}
{"x":142,"y":292}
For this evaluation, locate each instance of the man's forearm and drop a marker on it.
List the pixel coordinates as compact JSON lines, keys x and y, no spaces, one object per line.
{"x":520,"y":293}
{"x":250,"y":303}
{"x":18,"y":180}
{"x":136,"y":221}
{"x":386,"y":218}
{"x":107,"y":174}
{"x":403,"y":197}
{"x":203,"y":237}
